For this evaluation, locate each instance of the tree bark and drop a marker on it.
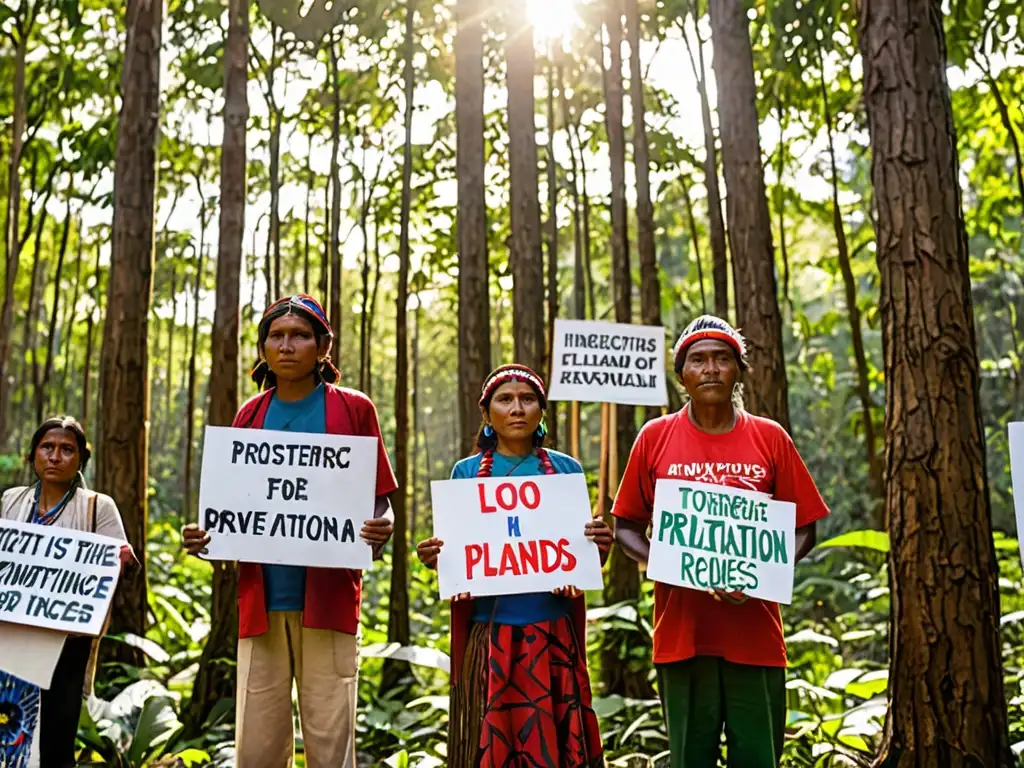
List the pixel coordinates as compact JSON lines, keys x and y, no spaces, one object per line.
{"x":716,"y":225}
{"x":552,"y":289}
{"x":474,"y":300}
{"x":216,"y":676}
{"x":373,"y":301}
{"x":190,"y":401}
{"x":123,"y":447}
{"x":274,"y":233}
{"x":650,"y":283}
{"x":525,"y":254}
{"x":51,"y":336}
{"x":398,"y":600}
{"x":68,"y":321}
{"x":335,"y":298}
{"x":750,"y":232}
{"x":97,"y":300}
{"x":310,"y":185}
{"x":692,"y":223}
{"x":946,"y":683}
{"x":28,"y":359}
{"x":850,"y":286}
{"x":623,"y":580}
{"x":780,"y":203}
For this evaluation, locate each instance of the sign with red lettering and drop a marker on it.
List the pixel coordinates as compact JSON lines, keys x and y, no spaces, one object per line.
{"x":512,"y":535}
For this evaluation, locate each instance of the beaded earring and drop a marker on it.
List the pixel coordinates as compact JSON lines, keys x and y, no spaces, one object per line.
{"x":488,"y":430}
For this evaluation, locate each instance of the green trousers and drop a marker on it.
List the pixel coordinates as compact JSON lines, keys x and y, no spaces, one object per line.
{"x":703,"y":695}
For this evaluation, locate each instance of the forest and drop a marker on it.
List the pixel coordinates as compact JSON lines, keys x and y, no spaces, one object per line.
{"x":841,"y":179}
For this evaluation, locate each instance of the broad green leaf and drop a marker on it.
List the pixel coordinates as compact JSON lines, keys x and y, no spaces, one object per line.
{"x":875,"y":540}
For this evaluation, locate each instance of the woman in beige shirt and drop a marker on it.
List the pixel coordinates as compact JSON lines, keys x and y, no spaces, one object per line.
{"x":58,"y":453}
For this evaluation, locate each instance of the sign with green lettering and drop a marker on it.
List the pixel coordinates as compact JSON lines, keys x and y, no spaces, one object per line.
{"x":715,"y":537}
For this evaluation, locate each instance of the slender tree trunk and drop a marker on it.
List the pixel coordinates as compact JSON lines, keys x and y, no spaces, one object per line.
{"x":850,"y":285}
{"x":51,"y":337}
{"x":623,"y":580}
{"x":691,"y":221}
{"x":310,"y":184}
{"x":68,"y":321}
{"x":168,"y":416}
{"x":398,"y":602}
{"x":474,"y":301}
{"x":650,"y":283}
{"x":946,"y":680}
{"x":122,"y":469}
{"x":29,"y":359}
{"x":750,"y":232}
{"x":780,"y":204}
{"x":325,"y":250}
{"x":525,"y":254}
{"x":12,"y":243}
{"x":552,"y":291}
{"x":190,"y":402}
{"x":719,"y":255}
{"x":373,"y":301}
{"x":97,"y":308}
{"x":414,"y":451}
{"x":336,"y":273}
{"x":215,"y":679}
{"x":364,"y":226}
{"x":587,"y":266}
{"x":274,"y":251}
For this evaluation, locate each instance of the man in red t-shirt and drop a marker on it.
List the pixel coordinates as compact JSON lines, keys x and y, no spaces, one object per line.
{"x":720,"y":657}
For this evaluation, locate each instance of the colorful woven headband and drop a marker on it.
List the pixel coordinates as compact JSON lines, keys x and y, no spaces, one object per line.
{"x":507,"y":373}
{"x":303,"y":302}
{"x":709,"y":327}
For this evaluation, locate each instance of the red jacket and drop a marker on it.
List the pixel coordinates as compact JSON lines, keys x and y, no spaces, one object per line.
{"x":332,"y":594}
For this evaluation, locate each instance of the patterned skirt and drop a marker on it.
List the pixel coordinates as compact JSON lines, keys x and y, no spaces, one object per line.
{"x":524,"y":700}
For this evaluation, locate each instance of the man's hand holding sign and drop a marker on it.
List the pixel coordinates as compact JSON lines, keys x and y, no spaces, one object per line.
{"x":514,"y":535}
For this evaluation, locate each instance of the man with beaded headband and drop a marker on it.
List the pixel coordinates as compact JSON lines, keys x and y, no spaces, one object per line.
{"x":720,"y":657}
{"x":520,"y":687}
{"x":300,"y":624}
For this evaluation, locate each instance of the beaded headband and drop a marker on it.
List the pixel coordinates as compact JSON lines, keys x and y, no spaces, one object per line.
{"x":507,"y":373}
{"x":710,"y":327}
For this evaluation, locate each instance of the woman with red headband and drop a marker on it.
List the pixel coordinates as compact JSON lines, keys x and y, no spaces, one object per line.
{"x":520,"y":686}
{"x":298,"y":623}
{"x":720,"y":657}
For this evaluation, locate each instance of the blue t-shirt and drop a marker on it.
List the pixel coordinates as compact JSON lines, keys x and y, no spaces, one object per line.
{"x":285,"y":585}
{"x":518,"y":610}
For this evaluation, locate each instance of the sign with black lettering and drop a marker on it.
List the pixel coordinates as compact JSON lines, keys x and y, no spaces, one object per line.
{"x":713,"y":537}
{"x":599,"y":362}
{"x":513,"y":535}
{"x":56,"y":578}
{"x":287,"y":498}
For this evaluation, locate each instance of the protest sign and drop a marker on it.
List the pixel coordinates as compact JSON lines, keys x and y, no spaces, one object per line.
{"x":56,"y":578}
{"x":599,"y":362}
{"x":287,"y":498}
{"x":511,"y":535}
{"x":1017,"y":477}
{"x":716,"y":537}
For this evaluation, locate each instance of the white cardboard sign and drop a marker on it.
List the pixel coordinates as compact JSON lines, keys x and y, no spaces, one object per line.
{"x":287,"y":498}
{"x":600,"y":362}
{"x":56,"y":578}
{"x":715,"y":537}
{"x":513,"y":535}
{"x":1017,"y":477}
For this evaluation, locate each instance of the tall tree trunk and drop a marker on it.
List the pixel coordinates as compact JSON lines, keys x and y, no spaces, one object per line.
{"x":414,"y":450}
{"x":552,"y":294}
{"x":168,"y":419}
{"x":68,"y":321}
{"x":51,"y":337}
{"x":310,"y":185}
{"x":274,"y":234}
{"x":650,"y":284}
{"x":623,"y":580}
{"x":585,"y":194}
{"x":12,"y":243}
{"x":325,"y":272}
{"x":28,"y":359}
{"x":579,"y":293}
{"x":364,"y":330}
{"x":215,"y":679}
{"x":719,"y":255}
{"x":90,"y":325}
{"x":946,"y":679}
{"x":750,"y":231}
{"x":850,"y":285}
{"x":398,"y":601}
{"x":122,"y":470}
{"x":525,"y":252}
{"x":190,"y":401}
{"x":474,"y":301}
{"x":335,"y":299}
{"x":694,"y":239}
{"x":780,"y":203}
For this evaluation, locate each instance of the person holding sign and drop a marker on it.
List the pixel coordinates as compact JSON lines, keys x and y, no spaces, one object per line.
{"x":720,"y":657}
{"x":298,"y":623}
{"x":520,"y":684}
{"x":37,"y":722}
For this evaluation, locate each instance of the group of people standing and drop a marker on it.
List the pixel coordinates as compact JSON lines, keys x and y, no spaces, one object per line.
{"x":520,"y":688}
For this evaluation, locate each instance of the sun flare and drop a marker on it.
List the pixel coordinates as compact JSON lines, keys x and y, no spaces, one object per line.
{"x":552,"y":19}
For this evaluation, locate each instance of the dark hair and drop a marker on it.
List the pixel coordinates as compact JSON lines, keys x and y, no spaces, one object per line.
{"x":261,"y":373}
{"x":69,"y":423}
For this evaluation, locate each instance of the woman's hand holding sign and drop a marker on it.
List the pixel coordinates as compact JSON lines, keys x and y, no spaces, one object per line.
{"x":598,"y":532}
{"x":428,"y":550}
{"x":194,"y":539}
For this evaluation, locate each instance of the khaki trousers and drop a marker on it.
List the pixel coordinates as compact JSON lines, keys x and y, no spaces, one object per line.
{"x":324,"y":665}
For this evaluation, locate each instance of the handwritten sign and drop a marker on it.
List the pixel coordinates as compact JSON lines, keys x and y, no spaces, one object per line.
{"x":715,"y":537}
{"x":1017,"y":477}
{"x":512,"y":535}
{"x":601,"y":362}
{"x":56,"y":578}
{"x":287,"y":498}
